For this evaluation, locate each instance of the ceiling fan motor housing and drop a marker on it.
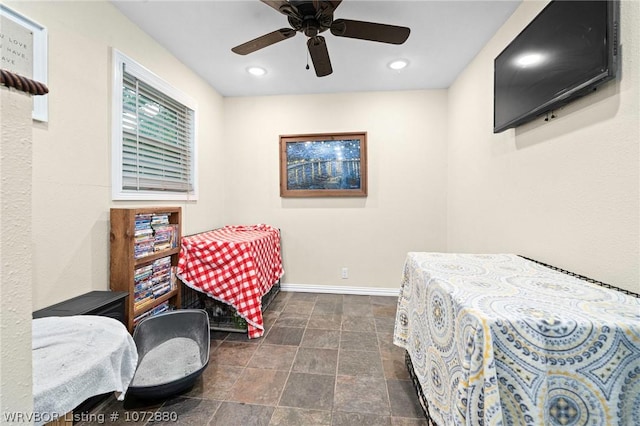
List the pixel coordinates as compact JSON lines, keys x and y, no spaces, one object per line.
{"x":307,"y":19}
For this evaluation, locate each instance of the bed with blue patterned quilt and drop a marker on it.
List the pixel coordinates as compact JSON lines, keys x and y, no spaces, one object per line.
{"x":496,"y":339}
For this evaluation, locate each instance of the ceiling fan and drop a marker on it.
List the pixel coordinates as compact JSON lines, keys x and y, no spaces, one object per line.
{"x":314,"y":17}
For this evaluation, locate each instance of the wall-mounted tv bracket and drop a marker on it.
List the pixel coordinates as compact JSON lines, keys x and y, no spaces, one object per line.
{"x":550,"y":115}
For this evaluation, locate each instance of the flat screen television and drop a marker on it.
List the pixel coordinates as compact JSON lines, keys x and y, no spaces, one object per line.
{"x":568,"y":50}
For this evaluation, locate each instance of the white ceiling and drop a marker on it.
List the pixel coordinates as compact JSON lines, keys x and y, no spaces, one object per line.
{"x":445,"y":36}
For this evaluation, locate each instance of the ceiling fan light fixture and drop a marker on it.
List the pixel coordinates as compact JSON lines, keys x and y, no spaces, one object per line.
{"x":398,"y":64}
{"x":256,"y":71}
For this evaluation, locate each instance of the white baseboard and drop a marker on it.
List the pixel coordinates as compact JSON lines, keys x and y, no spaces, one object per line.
{"x":365,"y":291}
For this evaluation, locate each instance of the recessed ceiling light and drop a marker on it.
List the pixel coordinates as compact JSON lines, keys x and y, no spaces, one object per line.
{"x":257,"y":71}
{"x":398,"y":64}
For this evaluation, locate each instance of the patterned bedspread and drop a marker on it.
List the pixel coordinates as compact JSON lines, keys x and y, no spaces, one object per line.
{"x":499,"y":340}
{"x":236,"y":265}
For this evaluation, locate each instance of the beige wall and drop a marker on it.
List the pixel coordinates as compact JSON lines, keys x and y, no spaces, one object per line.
{"x":71,"y":154}
{"x":564,"y":192}
{"x":405,"y":207}
{"x":15,"y":253}
{"x":510,"y":192}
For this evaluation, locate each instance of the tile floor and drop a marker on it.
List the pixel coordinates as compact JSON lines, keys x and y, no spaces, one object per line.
{"x":325,"y":359}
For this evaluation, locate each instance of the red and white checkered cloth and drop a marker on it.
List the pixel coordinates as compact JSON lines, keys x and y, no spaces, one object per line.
{"x":236,"y":265}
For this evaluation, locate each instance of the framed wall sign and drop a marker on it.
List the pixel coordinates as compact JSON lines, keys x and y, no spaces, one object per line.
{"x":23,"y":50}
{"x":323,"y":165}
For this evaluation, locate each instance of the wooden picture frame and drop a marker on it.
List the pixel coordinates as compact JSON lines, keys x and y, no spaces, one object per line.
{"x":38,"y":48}
{"x":323,"y":165}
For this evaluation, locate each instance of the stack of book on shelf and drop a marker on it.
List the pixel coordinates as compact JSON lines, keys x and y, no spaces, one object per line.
{"x":163,"y":237}
{"x":154,"y":233}
{"x":143,"y":236}
{"x":163,"y":307}
{"x":174,"y":278}
{"x":160,"y":219}
{"x":161,"y":276}
{"x":143,"y":285}
{"x":152,"y":281}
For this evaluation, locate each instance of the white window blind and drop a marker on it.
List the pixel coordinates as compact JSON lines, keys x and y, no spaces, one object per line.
{"x":156,"y":135}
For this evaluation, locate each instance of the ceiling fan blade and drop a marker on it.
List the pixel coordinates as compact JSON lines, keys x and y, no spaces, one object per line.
{"x":319,"y":56}
{"x":334,"y":3}
{"x":370,"y":31}
{"x":264,"y":41}
{"x":283,"y":7}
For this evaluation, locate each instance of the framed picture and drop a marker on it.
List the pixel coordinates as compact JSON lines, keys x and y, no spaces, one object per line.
{"x":23,"y":43}
{"x":323,"y":165}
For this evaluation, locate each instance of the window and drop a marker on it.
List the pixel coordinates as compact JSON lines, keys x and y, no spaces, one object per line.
{"x":153,"y":141}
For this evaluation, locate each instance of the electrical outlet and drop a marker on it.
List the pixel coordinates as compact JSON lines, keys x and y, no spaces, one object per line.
{"x":345,"y":273}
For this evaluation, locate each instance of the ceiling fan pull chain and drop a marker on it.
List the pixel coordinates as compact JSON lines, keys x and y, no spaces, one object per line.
{"x":307,"y":67}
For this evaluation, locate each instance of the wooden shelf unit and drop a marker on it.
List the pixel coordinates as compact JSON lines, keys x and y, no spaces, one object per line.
{"x":123,"y":263}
